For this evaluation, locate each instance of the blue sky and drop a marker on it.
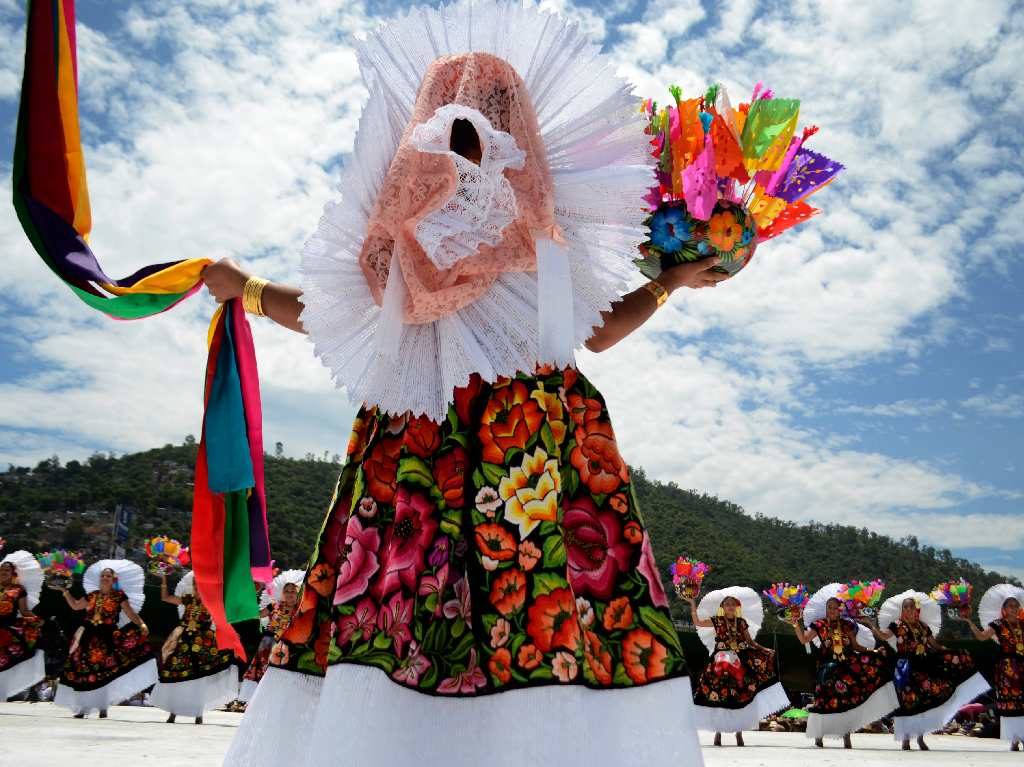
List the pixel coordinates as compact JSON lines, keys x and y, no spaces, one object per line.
{"x":866,"y":369}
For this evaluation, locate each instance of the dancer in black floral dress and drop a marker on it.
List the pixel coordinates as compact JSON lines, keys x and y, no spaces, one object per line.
{"x":1008,"y":630}
{"x":21,"y":664}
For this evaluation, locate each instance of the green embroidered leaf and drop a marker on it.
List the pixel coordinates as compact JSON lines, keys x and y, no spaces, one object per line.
{"x":661,"y":626}
{"x":554,"y":550}
{"x":545,"y":583}
{"x":429,"y":679}
{"x":307,"y":662}
{"x":451,"y":523}
{"x":542,"y":673}
{"x":570,"y":480}
{"x":461,"y":650}
{"x":478,"y":479}
{"x":384,"y":661}
{"x":492,"y":473}
{"x":513,"y":456}
{"x":430,"y":603}
{"x":458,"y":627}
{"x":360,"y":649}
{"x":458,"y":438}
{"x":548,"y":439}
{"x":621,"y":677}
{"x":334,"y":653}
{"x":414,"y":470}
{"x":381,"y":642}
{"x":489,"y":619}
{"x":357,"y":488}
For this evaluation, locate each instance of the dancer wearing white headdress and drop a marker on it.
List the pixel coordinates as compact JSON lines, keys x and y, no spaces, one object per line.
{"x":483,"y":577}
{"x":739,"y":686}
{"x":109,"y":660}
{"x":932,"y":681}
{"x":21,"y":664}
{"x":195,"y":676}
{"x":1001,"y":611}
{"x":853,"y":686}
{"x":277,"y":605}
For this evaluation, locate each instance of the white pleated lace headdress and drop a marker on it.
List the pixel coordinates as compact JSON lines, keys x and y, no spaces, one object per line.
{"x":430,"y":267}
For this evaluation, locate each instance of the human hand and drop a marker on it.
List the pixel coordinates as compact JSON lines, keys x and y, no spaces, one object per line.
{"x":693,"y":274}
{"x":225,"y":280}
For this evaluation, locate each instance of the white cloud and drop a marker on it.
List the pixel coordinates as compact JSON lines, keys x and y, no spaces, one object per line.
{"x":1000,"y":403}
{"x":900,"y":408}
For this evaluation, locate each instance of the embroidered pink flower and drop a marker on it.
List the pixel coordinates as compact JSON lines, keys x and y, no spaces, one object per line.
{"x":394,"y":619}
{"x":564,"y":667}
{"x":461,"y":606}
{"x":488,"y":501}
{"x":358,"y":563}
{"x":433,"y":586}
{"x":649,"y":570}
{"x":360,"y":622}
{"x":412,"y":667}
{"x":585,"y":611}
{"x":490,"y":565}
{"x":279,"y":654}
{"x":500,"y":633}
{"x":405,"y":542}
{"x":367,"y":508}
{"x":529,"y":555}
{"x":464,"y":682}
{"x":594,"y":545}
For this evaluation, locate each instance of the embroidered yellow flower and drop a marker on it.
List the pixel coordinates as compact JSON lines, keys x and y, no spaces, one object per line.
{"x":530,"y":492}
{"x":551,"y":403}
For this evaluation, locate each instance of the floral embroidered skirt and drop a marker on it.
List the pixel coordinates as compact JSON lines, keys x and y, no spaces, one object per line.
{"x":193,"y":656}
{"x":926,"y":681}
{"x":18,"y":640}
{"x":846,"y":684}
{"x":735,"y":685}
{"x":260,"y":660}
{"x":479,"y":586}
{"x":1008,"y":684}
{"x":500,"y":549}
{"x":104,"y":653}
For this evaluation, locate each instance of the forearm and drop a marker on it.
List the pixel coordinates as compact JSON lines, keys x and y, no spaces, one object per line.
{"x":623,"y":318}
{"x":282,"y":305}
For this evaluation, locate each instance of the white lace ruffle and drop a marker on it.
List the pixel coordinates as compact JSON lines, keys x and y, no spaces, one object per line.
{"x":767,"y":702}
{"x":484,"y":203}
{"x":358,"y":716}
{"x":22,"y":675}
{"x":114,"y":692}
{"x":593,"y":135}
{"x":990,"y":608}
{"x":30,"y":575}
{"x":882,"y":702}
{"x":909,"y":727}
{"x":131,"y":579}
{"x":892,"y":609}
{"x":194,"y":696}
{"x":751,"y":610}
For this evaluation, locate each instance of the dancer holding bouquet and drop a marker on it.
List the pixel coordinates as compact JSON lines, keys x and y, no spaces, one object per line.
{"x":21,"y":664}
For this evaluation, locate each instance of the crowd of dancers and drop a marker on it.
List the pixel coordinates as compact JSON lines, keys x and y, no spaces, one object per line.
{"x":865,"y":669}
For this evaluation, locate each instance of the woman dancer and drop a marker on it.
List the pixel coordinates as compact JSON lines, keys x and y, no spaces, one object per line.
{"x":932,"y":681}
{"x":195,"y":676}
{"x":739,"y":686}
{"x":854,"y":683}
{"x":109,"y":660}
{"x":21,"y":664}
{"x":282,"y":597}
{"x":483,"y":576}
{"x":1000,"y":613}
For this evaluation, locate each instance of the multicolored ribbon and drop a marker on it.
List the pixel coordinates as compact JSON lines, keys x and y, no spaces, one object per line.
{"x":229,"y":534}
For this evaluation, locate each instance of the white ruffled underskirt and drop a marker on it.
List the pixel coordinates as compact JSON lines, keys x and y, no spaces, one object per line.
{"x":1011,"y":728}
{"x":112,"y":693}
{"x":909,"y":727}
{"x":765,"y":703}
{"x":882,"y":702}
{"x":22,"y":675}
{"x":194,"y":696}
{"x":356,"y":715}
{"x":247,"y":690}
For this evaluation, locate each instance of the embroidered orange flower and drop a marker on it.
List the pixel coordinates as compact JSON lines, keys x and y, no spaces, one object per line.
{"x":508,"y":592}
{"x":422,"y":437}
{"x":643,"y":656}
{"x":300,"y":628}
{"x":597,"y":657}
{"x":529,"y":657}
{"x":529,"y":555}
{"x":380,"y":468}
{"x":619,"y":502}
{"x":500,"y":666}
{"x":321,"y":579}
{"x":495,"y":541}
{"x":510,"y":418}
{"x":357,"y":440}
{"x":553,"y":622}
{"x":582,"y":409}
{"x":322,"y":646}
{"x":633,"y":533}
{"x":618,"y":614}
{"x":450,"y":476}
{"x":596,"y":458}
{"x":530,"y":491}
{"x":724,"y":231}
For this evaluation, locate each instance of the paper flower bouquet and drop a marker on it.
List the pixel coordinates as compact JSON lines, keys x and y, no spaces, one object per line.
{"x":687,"y":576}
{"x":727,"y":178}
{"x":956,"y":596}
{"x":166,"y":554}
{"x":788,"y":600}
{"x":861,"y":599}
{"x":60,"y":567}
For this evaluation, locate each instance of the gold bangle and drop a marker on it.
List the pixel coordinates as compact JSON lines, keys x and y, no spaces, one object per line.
{"x":252,"y":295}
{"x":657,"y":290}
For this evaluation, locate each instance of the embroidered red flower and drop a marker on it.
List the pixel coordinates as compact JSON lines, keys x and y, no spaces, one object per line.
{"x":529,"y":657}
{"x":495,"y":541}
{"x":500,"y":666}
{"x":380,"y":468}
{"x":618,"y":614}
{"x":450,"y":476}
{"x":643,"y":656}
{"x":510,"y":418}
{"x":508,"y":591}
{"x":405,"y":542}
{"x":596,"y":458}
{"x":465,"y":396}
{"x":598,"y":658}
{"x":552,"y":621}
{"x":595,"y":548}
{"x":422,"y":437}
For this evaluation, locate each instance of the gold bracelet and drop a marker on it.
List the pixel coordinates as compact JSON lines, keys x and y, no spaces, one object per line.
{"x":252,"y":295}
{"x":657,"y":290}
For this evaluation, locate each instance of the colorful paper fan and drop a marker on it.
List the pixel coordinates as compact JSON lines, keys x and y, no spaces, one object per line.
{"x":60,"y":567}
{"x":953,"y":593}
{"x":727,"y":179}
{"x":861,"y":597}
{"x":687,"y":576}
{"x":166,"y":554}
